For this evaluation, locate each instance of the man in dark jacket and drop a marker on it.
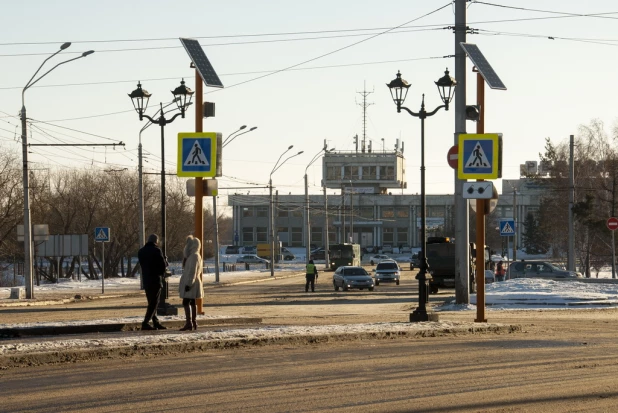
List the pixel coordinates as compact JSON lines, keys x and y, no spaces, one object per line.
{"x":153,"y":265}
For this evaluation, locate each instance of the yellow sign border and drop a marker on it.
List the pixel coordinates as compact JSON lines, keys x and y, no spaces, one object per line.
{"x":213,"y":154}
{"x":495,"y":139}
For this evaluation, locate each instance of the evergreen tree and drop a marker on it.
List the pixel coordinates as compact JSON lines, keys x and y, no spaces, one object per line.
{"x":533,"y":240}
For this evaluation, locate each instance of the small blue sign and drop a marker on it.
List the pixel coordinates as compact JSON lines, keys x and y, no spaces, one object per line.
{"x":101,"y":234}
{"x":507,"y":227}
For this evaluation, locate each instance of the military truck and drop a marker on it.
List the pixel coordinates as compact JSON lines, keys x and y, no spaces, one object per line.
{"x":441,"y":261}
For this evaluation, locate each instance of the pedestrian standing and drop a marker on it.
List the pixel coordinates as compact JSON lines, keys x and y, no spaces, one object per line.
{"x":312,"y":276}
{"x":191,"y":285}
{"x":500,"y":272}
{"x":153,"y":265}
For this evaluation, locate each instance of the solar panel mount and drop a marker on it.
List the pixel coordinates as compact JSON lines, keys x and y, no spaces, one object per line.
{"x":483,"y":66}
{"x":201,"y":62}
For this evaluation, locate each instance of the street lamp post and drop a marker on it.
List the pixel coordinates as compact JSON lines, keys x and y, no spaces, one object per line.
{"x":28,"y":276}
{"x":271,"y":214}
{"x":182,"y":98}
{"x":227,"y":140}
{"x":399,"y":90}
{"x":307,"y":219}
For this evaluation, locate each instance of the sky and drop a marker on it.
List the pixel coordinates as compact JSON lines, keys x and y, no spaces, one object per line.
{"x":295,"y":69}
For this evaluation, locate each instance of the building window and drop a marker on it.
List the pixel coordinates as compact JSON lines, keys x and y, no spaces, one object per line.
{"x":366,"y":212}
{"x":261,"y":234}
{"x":297,"y":237}
{"x":247,"y":212}
{"x":316,"y":235}
{"x":387,"y":172}
{"x":387,"y":236}
{"x":402,"y":235}
{"x":247,"y":235}
{"x":282,"y":212}
{"x":262,"y":212}
{"x":403,"y":212}
{"x":388,"y":212}
{"x":333,"y":173}
{"x":297,"y":212}
{"x":369,"y":173}
{"x":435,"y":212}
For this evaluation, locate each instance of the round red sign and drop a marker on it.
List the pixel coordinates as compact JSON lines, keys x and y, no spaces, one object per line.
{"x":452,"y":156}
{"x":612,"y":223}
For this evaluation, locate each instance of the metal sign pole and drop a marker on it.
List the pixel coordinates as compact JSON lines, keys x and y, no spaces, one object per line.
{"x":102,"y":268}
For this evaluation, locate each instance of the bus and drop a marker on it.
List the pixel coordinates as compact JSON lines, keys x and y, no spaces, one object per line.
{"x":344,"y":254}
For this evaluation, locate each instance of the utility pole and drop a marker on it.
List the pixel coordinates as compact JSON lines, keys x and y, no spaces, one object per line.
{"x":462,"y":254}
{"x":571,"y":254}
{"x":516,"y":226}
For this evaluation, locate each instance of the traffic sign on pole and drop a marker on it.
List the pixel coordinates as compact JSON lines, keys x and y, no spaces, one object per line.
{"x":612,"y":223}
{"x":452,"y":156}
{"x":480,"y":156}
{"x":507,"y":227}
{"x":197,"y":154}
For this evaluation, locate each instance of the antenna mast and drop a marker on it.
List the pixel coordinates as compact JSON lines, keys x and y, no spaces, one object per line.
{"x":364,"y":105}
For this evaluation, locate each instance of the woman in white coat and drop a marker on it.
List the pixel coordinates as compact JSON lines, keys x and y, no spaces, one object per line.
{"x":191,"y":286}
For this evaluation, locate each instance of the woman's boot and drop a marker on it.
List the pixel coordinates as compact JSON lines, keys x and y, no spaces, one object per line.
{"x":188,"y":325}
{"x":194,"y":315}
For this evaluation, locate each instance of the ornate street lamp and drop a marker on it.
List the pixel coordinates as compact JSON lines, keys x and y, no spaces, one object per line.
{"x":399,"y":90}
{"x":182,"y":97}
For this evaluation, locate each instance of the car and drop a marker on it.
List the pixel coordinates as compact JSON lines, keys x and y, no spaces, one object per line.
{"x":287,"y":254}
{"x":387,"y":271}
{"x":232,"y":249}
{"x":539,"y":269}
{"x":318,"y":254}
{"x":377,"y":258}
{"x":405,"y":249}
{"x":348,"y":277}
{"x":387,"y":249}
{"x":249,"y":249}
{"x":415,"y":261}
{"x":251,"y":259}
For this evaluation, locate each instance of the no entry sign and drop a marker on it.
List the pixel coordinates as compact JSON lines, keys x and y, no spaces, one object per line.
{"x":612,"y":223}
{"x":453,"y":156}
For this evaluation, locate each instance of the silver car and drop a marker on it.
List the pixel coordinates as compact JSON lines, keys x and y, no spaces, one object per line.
{"x":251,"y":259}
{"x":348,"y":277}
{"x":387,"y":271}
{"x":539,"y":269}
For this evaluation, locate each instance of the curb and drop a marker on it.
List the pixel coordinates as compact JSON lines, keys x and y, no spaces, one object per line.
{"x":116,"y":327}
{"x":158,"y":349}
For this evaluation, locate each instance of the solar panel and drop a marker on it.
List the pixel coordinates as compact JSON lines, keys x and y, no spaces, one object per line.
{"x":483,"y":66}
{"x":201,"y":62}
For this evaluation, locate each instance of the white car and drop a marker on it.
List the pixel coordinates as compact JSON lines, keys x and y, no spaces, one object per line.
{"x":377,"y":258}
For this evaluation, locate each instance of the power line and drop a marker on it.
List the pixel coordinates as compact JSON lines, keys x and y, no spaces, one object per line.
{"x":597,"y":15}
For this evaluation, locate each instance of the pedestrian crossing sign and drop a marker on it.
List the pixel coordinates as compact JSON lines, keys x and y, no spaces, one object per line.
{"x":101,"y":234}
{"x":507,"y":227}
{"x":197,"y":154}
{"x":480,"y":156}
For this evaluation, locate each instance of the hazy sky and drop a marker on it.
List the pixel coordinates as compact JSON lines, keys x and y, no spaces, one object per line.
{"x":554,"y":85}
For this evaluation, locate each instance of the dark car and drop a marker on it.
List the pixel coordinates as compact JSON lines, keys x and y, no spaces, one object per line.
{"x":318,"y":254}
{"x":415,"y":262}
{"x":539,"y":269}
{"x":348,"y":277}
{"x":232,"y":249}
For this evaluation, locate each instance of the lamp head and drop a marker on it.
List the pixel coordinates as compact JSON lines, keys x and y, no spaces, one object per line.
{"x":137,"y":97}
{"x":446,"y":86}
{"x":242,"y":127}
{"x":185,"y":94}
{"x":65,"y":45}
{"x":89,"y":52}
{"x":290,"y":147}
{"x":253,"y":128}
{"x":300,"y":152}
{"x":399,"y":90}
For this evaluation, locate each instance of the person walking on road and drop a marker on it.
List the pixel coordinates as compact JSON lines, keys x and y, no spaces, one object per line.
{"x":312,"y":276}
{"x":153,"y":265}
{"x":191,"y":286}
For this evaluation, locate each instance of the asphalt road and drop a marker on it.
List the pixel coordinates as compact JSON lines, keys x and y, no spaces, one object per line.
{"x":560,"y":361}
{"x":489,"y":373}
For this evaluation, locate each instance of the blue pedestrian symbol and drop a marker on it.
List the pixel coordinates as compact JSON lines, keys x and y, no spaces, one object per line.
{"x":507,"y":227}
{"x":101,"y":234}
